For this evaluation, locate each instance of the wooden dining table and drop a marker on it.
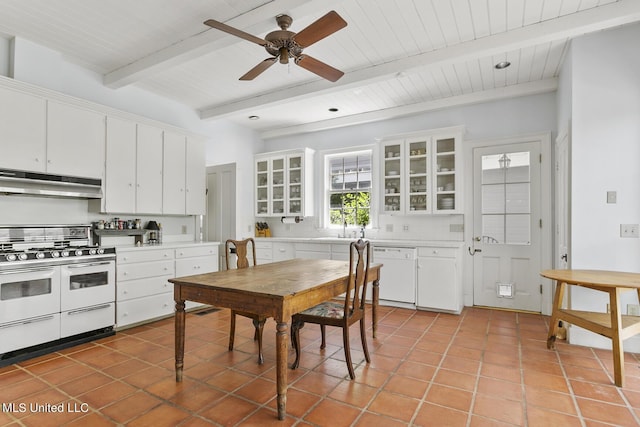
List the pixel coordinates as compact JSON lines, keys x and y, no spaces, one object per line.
{"x":612,"y":325}
{"x":277,"y":290}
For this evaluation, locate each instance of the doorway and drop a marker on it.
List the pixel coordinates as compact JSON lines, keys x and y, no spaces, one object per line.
{"x":511,"y":220}
{"x":221,"y":206}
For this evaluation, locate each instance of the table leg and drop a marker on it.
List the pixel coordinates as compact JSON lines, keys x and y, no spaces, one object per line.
{"x":374,"y":306}
{"x":282,"y":353}
{"x":557,"y":305}
{"x":179,"y":338}
{"x":616,"y":340}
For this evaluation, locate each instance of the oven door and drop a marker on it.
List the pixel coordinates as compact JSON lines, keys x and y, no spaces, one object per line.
{"x":87,"y":284}
{"x":29,"y":292}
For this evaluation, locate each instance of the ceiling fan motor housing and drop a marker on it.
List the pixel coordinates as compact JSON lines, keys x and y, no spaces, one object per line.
{"x":277,"y":40}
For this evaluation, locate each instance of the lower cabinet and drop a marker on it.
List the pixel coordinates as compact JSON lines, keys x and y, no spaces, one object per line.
{"x":143,"y":290}
{"x":313,"y":250}
{"x":440,"y":279}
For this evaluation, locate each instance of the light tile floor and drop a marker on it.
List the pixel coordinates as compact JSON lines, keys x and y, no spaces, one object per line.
{"x":482,"y":368}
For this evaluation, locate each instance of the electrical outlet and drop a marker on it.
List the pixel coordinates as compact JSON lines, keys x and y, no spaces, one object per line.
{"x":184,"y":229}
{"x":405,"y":227}
{"x":612,"y":197}
{"x":249,"y":227}
{"x":629,"y":230}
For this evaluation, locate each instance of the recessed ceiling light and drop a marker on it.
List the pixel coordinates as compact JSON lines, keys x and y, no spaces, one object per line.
{"x":254,"y":117}
{"x":502,"y":65}
{"x":333,"y":109}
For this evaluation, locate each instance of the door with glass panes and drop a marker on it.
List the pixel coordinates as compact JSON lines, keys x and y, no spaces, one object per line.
{"x":506,"y":223}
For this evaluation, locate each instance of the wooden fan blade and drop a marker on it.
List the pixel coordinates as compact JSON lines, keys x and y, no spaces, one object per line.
{"x":235,"y":32}
{"x":323,"y":27}
{"x":318,"y":67}
{"x":259,"y":69}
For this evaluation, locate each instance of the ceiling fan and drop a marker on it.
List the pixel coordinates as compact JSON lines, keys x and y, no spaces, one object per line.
{"x":283,"y":44}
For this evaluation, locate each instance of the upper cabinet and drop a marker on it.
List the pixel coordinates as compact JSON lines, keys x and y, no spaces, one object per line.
{"x":422,"y":174}
{"x":173,"y":174}
{"x":196,"y":177}
{"x":41,"y":135}
{"x":284,"y":183}
{"x":23,"y":130}
{"x":75,"y":140}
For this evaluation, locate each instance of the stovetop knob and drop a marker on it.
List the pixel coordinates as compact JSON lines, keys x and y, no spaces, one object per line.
{"x":64,"y":253}
{"x":55,"y":254}
{"x":92,"y":251}
{"x":22,"y":256}
{"x":11,"y":257}
{"x":78,"y":252}
{"x":40,"y":255}
{"x":100,"y":251}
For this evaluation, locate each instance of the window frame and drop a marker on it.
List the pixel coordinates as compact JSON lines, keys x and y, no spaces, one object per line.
{"x":327,"y":156}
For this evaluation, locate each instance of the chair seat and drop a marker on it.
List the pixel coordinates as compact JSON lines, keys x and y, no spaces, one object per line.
{"x":328,"y":309}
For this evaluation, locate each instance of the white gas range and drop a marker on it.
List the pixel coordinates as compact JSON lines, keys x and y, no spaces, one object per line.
{"x":56,"y":289}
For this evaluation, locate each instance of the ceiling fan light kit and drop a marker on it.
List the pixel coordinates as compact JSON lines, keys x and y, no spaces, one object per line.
{"x":284,"y":44}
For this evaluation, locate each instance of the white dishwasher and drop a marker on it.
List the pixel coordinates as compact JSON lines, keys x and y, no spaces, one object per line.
{"x":398,"y":273}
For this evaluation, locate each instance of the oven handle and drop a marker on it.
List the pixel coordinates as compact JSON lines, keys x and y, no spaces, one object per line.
{"x":91,"y":264}
{"x":26,"y":270}
{"x":26,"y":322}
{"x":86,"y":310}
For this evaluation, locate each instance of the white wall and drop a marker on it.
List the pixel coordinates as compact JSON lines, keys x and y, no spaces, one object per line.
{"x":605,"y":156}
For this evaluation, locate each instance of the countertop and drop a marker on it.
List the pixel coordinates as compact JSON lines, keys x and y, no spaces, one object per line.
{"x":169,"y":245}
{"x":374,"y":242}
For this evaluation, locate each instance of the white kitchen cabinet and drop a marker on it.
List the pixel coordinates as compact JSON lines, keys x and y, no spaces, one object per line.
{"x":440,"y":279}
{"x":23,"y":127}
{"x":120,"y":175}
{"x":143,"y":292}
{"x":313,"y":250}
{"x":142,"y":288}
{"x":264,"y":251}
{"x":422,"y":174}
{"x":284,"y":183}
{"x":283,"y":251}
{"x":75,"y":141}
{"x":148,"y":170}
{"x":173,"y":174}
{"x":340,"y":251}
{"x":196,"y":177}
{"x":133,"y":179}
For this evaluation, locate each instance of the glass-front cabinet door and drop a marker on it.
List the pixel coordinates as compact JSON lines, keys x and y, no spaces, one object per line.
{"x":277,"y":186}
{"x":295,"y":184}
{"x":393,"y":182}
{"x":421,"y":174}
{"x":418,"y":179}
{"x":262,"y":187}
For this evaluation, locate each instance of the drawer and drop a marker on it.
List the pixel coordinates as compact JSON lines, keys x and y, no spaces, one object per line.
{"x":283,"y":251}
{"x":34,"y":331}
{"x":144,"y":309}
{"x":144,"y":269}
{"x":438,"y":252}
{"x":143,"y":255}
{"x":313,"y":247}
{"x":196,"y":265}
{"x":263,"y":253}
{"x":261,"y":244}
{"x":88,"y":319}
{"x":197,"y":251}
{"x":148,"y":286}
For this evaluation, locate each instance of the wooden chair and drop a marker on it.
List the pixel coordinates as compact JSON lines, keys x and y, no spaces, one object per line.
{"x":241,"y":250}
{"x":337,"y":313}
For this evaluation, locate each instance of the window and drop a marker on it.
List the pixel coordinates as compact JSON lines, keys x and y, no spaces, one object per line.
{"x":349,"y":189}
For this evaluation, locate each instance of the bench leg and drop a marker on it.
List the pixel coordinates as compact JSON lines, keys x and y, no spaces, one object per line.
{"x":616,"y":340}
{"x":553,"y":323}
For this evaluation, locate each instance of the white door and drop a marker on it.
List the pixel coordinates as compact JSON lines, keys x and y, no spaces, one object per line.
{"x":561,"y":260}
{"x":507,"y":219}
{"x":221,"y":206}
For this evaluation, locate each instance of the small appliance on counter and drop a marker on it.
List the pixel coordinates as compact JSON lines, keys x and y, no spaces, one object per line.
{"x":155,"y":232}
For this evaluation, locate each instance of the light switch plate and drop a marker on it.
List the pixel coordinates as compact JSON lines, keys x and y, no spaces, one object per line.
{"x":612,"y":197}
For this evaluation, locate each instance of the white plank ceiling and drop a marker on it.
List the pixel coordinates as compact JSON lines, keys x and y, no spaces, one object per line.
{"x":399,"y":56}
